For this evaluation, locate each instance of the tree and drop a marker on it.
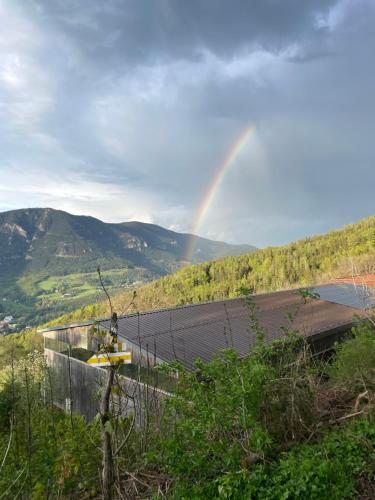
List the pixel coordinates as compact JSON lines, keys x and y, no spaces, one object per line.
{"x":108,"y":475}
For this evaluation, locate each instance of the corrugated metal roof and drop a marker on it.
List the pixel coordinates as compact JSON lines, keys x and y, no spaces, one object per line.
{"x":349,"y":294}
{"x":201,"y":330}
{"x":70,"y":325}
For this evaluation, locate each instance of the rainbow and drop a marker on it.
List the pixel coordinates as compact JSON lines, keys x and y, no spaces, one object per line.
{"x":209,"y":195}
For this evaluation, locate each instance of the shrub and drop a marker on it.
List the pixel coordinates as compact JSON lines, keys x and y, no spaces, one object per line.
{"x":233,"y":412}
{"x":328,"y":470}
{"x":44,"y":452}
{"x":354,"y":363}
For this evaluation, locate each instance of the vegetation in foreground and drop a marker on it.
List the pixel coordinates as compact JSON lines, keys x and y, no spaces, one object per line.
{"x":278,"y":424}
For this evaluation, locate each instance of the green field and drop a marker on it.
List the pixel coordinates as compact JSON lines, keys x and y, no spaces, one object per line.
{"x":35,"y":298}
{"x":77,"y":285}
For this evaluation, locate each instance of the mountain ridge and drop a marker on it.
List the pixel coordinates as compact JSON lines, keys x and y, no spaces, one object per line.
{"x":134,"y":242}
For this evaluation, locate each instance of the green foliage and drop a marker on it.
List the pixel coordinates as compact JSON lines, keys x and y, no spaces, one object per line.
{"x":322,"y":471}
{"x":300,"y":263}
{"x":16,"y":346}
{"x":211,"y":432}
{"x":354,"y":364}
{"x":234,"y":412}
{"x":222,"y":436}
{"x":37,"y":298}
{"x":230,"y":419}
{"x":224,"y":430}
{"x":49,"y":452}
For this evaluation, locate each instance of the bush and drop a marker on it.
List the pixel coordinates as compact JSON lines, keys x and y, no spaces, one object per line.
{"x":328,"y":470}
{"x":234,"y":412}
{"x":354,"y":363}
{"x":44,"y":452}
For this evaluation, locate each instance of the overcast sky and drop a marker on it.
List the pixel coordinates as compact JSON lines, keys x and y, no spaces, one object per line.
{"x":124,"y":109}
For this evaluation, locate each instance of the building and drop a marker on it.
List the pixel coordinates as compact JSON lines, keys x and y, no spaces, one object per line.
{"x":186,"y":333}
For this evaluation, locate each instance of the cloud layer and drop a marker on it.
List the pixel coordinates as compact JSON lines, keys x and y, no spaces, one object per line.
{"x":124,"y":110}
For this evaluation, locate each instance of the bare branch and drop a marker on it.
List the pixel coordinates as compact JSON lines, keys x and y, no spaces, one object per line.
{"x":8,"y":447}
{"x":126,"y":438}
{"x":105,"y":290}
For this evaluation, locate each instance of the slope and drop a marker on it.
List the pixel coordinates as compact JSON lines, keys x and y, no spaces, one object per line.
{"x":309,"y":261}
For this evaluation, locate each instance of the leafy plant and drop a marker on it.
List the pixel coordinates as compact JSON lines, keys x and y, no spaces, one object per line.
{"x":323,"y":471}
{"x":354,"y":363}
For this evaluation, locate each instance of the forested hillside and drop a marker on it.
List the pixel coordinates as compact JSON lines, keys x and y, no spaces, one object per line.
{"x":347,"y":251}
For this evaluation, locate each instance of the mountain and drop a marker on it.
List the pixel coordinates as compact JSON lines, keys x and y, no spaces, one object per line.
{"x":349,"y":250}
{"x":48,"y":255}
{"x":43,"y":239}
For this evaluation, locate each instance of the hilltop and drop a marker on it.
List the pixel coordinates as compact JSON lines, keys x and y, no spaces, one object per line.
{"x":48,"y":258}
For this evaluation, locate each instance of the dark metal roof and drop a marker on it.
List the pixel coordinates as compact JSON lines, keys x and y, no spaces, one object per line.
{"x":201,"y":330}
{"x":359,"y":296}
{"x":70,"y":325}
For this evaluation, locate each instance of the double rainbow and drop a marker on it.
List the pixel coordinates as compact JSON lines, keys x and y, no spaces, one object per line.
{"x":209,"y":195}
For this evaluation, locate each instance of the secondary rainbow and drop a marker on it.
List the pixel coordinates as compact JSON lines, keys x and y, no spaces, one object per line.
{"x":209,"y":195}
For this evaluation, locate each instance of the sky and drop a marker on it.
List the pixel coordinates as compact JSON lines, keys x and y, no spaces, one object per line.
{"x":128,"y":109}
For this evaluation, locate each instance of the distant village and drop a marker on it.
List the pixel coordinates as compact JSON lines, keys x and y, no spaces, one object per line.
{"x":7,"y":325}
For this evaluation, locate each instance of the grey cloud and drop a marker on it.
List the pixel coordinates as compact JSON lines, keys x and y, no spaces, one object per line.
{"x":148,"y":100}
{"x":123,"y":30}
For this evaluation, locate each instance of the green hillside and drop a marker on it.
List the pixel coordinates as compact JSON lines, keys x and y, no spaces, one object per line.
{"x":309,"y":261}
